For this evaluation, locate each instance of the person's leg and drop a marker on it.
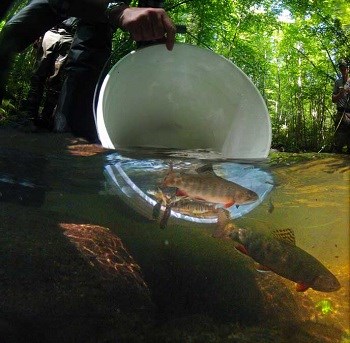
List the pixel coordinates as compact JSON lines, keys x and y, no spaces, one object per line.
{"x":340,"y":138}
{"x":89,"y":52}
{"x":55,"y":81}
{"x":338,"y":135}
{"x":45,"y":68}
{"x":337,"y":146}
{"x":20,"y":31}
{"x":347,"y":139}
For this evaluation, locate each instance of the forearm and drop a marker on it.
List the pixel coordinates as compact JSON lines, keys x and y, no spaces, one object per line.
{"x":142,"y":23}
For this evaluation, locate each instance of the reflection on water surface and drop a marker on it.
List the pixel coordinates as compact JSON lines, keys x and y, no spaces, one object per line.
{"x":200,"y":288}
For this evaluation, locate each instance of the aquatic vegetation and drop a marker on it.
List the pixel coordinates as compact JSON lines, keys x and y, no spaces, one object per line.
{"x":325,"y":306}
{"x":5,"y":108}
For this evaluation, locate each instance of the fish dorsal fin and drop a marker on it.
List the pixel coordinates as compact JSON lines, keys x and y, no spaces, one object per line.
{"x":286,"y":235}
{"x":207,"y":169}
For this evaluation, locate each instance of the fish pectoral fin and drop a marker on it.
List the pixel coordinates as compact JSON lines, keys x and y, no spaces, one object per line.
{"x":229,"y":204}
{"x":261,"y":268}
{"x":181,"y":193}
{"x":301,"y":287}
{"x":241,"y":248}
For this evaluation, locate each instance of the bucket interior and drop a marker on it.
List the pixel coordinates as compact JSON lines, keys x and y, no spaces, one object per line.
{"x":188,"y":98}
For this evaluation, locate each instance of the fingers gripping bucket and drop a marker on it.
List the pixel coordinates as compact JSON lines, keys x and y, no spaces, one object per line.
{"x":188,"y":98}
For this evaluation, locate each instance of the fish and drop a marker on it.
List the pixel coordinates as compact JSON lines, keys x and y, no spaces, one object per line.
{"x":281,"y":256}
{"x":190,"y":207}
{"x":206,"y":186}
{"x":200,"y":209}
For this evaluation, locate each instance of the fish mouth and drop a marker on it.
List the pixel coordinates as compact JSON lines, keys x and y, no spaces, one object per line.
{"x":249,"y":197}
{"x":254,"y":197}
{"x":326,"y":284}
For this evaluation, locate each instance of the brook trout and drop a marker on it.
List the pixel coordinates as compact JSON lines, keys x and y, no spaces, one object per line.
{"x":285,"y":259}
{"x":194,"y":208}
{"x":186,"y":206}
{"x":209,"y":187}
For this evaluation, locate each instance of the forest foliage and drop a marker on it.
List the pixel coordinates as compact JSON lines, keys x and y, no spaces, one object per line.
{"x":289,"y":49}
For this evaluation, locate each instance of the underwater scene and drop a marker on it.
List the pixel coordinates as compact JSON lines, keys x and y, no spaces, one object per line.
{"x":145,"y":245}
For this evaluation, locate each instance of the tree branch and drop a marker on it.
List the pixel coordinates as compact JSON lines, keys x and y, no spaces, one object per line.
{"x":170,"y":8}
{"x":313,"y":64}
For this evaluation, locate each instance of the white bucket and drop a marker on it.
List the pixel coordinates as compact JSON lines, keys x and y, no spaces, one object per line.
{"x":187,"y":98}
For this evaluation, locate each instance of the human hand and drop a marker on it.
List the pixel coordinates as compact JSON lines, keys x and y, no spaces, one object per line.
{"x":145,"y":24}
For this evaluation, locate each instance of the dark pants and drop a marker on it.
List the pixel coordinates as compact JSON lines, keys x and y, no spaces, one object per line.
{"x":89,"y":52}
{"x":342,"y":133}
{"x":48,"y":74}
{"x":21,"y":31}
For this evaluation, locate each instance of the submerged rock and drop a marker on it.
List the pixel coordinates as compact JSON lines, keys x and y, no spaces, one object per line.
{"x":106,"y":252}
{"x":66,"y":282}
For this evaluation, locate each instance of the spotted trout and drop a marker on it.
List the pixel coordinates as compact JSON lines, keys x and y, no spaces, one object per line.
{"x":205,"y":185}
{"x":198,"y":209}
{"x":285,"y":259}
{"x":190,"y":207}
